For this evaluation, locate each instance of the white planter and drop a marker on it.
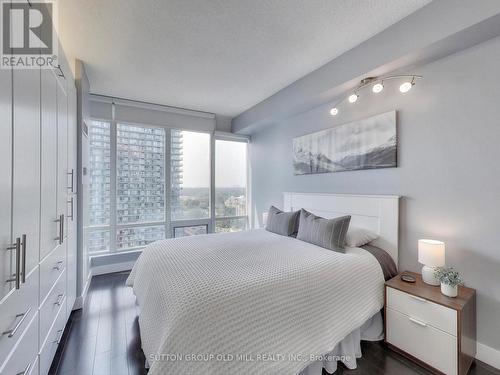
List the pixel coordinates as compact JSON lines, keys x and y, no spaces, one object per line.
{"x":448,"y":290}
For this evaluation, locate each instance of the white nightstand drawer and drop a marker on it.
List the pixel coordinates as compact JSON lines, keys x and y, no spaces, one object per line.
{"x":431,"y":313}
{"x":421,"y":340}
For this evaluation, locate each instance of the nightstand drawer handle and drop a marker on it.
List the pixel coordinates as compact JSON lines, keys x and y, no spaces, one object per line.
{"x":418,"y":322}
{"x":418,"y":298}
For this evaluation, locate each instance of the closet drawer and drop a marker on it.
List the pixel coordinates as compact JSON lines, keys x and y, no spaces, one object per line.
{"x":50,"y":345}
{"x":51,"y":305}
{"x":16,"y":311}
{"x":433,"y":314}
{"x":421,"y":340}
{"x":51,"y":268}
{"x":23,"y":359}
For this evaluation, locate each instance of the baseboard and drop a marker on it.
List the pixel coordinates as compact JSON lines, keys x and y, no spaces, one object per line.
{"x":488,"y":355}
{"x":80,"y":301}
{"x":111,"y":268}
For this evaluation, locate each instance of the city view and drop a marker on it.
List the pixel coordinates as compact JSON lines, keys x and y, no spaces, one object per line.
{"x":140,"y":187}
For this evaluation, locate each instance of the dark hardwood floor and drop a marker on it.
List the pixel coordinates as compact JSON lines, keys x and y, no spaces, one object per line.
{"x":104,"y":339}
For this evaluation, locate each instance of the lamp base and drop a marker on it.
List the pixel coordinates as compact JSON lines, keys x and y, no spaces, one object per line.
{"x":428,"y":276}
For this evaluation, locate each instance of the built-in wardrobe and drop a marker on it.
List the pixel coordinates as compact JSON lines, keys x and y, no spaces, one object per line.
{"x":37,"y":214}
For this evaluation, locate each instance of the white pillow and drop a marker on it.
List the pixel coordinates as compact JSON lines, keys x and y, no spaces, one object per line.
{"x":357,"y":237}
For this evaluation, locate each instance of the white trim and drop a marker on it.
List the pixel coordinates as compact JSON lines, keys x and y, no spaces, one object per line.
{"x":226,"y":136}
{"x":111,"y":268}
{"x":152,"y":106}
{"x":488,"y":355}
{"x":377,"y":213}
{"x":80,"y":301}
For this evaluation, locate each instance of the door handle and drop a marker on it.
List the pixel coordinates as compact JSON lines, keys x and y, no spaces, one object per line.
{"x":72,"y":173}
{"x":17,"y":275}
{"x":70,"y":202}
{"x":61,"y":223}
{"x":12,"y":332}
{"x":23,"y":271}
{"x":60,"y":238}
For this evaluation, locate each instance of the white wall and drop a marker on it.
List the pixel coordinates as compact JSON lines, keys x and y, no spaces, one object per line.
{"x":449,"y":167}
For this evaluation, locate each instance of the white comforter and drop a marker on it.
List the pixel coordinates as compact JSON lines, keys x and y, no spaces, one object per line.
{"x":249,"y":303}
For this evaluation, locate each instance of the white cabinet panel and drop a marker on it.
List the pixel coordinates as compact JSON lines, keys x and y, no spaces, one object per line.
{"x":51,"y":305}
{"x":51,"y":268}
{"x":24,"y":356}
{"x":16,"y":311}
{"x":49,"y":347}
{"x":49,"y":228}
{"x":436,"y":315}
{"x":431,"y":345}
{"x":26,"y":163}
{"x":5,"y":181}
{"x":62,"y":152}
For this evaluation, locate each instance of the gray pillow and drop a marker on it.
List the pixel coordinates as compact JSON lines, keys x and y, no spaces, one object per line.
{"x":284,"y":223}
{"x":327,"y":233}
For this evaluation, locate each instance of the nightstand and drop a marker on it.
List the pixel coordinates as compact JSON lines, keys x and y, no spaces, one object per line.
{"x":436,"y":331}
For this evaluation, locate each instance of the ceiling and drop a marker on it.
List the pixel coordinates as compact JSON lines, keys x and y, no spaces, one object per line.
{"x":220,"y":56}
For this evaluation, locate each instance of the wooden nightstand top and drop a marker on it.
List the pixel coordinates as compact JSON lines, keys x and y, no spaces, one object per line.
{"x":431,"y":293}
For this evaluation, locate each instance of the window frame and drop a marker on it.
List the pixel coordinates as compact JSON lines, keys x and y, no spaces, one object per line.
{"x":169,"y":224}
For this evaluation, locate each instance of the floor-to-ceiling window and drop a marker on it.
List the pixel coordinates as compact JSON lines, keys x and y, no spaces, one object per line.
{"x":231,"y":195}
{"x":99,"y":217}
{"x":140,"y":186}
{"x":190,"y":187}
{"x":148,"y":183}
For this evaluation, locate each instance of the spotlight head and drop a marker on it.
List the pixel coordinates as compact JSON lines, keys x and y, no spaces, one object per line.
{"x":406,"y":86}
{"x":352,"y":98}
{"x":378,"y":87}
{"x":334,"y":111}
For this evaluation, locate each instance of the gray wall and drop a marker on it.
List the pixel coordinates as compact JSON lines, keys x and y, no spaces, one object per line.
{"x":449,"y":167}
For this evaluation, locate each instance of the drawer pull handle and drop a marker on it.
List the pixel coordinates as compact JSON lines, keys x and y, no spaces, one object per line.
{"x":59,"y":300}
{"x":422,"y":324}
{"x":12,"y":332}
{"x":418,"y":298}
{"x":26,"y":370}
{"x":58,"y":338}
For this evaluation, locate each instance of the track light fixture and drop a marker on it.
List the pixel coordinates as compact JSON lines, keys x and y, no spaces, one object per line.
{"x":377,"y":87}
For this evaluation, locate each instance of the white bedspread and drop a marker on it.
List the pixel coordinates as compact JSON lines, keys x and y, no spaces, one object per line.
{"x":252,"y":302}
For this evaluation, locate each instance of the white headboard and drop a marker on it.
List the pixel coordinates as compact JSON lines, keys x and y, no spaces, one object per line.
{"x":378,"y":213}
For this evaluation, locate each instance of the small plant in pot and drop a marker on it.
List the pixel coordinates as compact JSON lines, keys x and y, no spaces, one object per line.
{"x":450,"y":279}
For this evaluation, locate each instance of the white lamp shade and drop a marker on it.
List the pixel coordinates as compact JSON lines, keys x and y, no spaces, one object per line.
{"x":431,"y":253}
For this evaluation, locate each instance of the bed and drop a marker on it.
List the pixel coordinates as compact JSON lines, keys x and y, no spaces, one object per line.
{"x":260,"y":303}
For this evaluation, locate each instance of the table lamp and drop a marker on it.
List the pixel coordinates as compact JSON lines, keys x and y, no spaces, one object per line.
{"x":431,"y":254}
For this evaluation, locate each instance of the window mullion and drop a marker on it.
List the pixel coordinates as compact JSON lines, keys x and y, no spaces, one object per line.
{"x":113,"y":174}
{"x":211,"y":228}
{"x":168,"y":184}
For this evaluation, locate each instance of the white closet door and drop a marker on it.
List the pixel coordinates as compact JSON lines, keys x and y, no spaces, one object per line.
{"x":72,"y":209}
{"x":5,"y":180}
{"x":49,"y":228}
{"x":26,"y":171}
{"x":62,"y":151}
